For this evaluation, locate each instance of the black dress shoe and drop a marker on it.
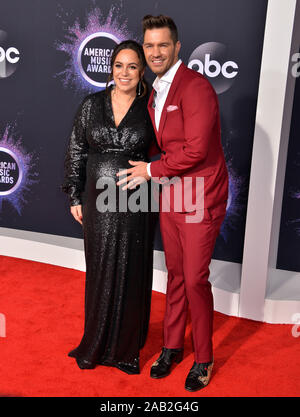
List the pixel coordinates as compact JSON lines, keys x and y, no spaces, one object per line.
{"x":162,"y":366}
{"x":198,"y":376}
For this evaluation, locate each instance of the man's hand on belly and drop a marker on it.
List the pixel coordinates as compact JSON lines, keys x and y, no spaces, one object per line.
{"x":135,"y":176}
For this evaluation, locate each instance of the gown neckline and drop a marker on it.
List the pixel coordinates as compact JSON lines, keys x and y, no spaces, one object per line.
{"x":112,"y":112}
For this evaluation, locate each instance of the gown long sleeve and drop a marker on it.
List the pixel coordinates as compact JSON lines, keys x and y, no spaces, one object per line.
{"x":76,"y":156}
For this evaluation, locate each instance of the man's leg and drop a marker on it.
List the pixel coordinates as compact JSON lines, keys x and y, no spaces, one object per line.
{"x":198,"y":242}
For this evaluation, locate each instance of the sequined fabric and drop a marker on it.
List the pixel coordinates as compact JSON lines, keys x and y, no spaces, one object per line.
{"x":118,"y":245}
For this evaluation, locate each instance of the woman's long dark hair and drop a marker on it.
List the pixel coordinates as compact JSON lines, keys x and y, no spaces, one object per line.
{"x":134,"y":46}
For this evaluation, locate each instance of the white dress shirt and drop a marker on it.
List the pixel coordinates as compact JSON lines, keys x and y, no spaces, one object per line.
{"x":162,"y":86}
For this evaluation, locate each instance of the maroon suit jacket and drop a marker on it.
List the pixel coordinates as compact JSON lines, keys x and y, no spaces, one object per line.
{"x":189,"y":137}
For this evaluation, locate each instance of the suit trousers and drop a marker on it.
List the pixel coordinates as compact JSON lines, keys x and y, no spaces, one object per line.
{"x":188,"y":250}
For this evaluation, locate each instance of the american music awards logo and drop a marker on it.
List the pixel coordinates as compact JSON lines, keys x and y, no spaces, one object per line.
{"x":16,"y":170}
{"x":11,"y":172}
{"x":89,"y":47}
{"x":94,"y":62}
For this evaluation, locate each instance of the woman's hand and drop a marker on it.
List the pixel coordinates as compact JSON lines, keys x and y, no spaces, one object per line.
{"x":77,"y":213}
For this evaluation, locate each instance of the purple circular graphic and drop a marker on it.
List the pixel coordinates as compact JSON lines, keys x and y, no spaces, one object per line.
{"x":88,"y":47}
{"x":10,"y":171}
{"x":17,"y":169}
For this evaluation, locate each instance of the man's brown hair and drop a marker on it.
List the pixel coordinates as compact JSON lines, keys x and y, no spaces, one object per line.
{"x":161,"y":21}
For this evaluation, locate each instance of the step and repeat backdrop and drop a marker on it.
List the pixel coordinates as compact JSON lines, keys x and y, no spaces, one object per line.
{"x":289,"y":238}
{"x":52,"y":54}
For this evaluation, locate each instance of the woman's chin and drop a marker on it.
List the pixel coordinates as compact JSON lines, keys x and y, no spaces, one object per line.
{"x":126,"y":88}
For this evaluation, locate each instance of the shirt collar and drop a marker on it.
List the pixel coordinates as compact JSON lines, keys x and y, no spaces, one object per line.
{"x":168,"y":76}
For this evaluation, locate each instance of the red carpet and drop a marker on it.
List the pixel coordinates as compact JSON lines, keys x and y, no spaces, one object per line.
{"x":43,"y":307}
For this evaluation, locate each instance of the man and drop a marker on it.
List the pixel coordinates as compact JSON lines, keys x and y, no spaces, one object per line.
{"x":184,"y":110}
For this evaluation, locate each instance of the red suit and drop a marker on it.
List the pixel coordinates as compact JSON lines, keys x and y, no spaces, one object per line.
{"x":189,"y":139}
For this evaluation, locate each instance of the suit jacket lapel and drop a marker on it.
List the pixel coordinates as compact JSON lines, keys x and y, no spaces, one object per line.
{"x":169,"y":99}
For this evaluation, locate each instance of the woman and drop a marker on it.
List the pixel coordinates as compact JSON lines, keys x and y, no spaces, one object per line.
{"x":111,"y":128}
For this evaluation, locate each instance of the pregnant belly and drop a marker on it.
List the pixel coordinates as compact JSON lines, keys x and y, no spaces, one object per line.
{"x":106,"y":165}
{"x":101,"y":173}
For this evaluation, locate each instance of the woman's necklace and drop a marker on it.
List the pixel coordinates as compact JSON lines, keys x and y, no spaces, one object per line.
{"x":120,"y":109}
{"x":117,"y":101}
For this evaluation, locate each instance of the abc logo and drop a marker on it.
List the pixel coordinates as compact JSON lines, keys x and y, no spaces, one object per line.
{"x":12,"y":55}
{"x":9,"y":56}
{"x":210,"y":59}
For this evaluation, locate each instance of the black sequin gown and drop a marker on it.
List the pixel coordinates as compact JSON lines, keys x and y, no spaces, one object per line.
{"x":118,"y":244}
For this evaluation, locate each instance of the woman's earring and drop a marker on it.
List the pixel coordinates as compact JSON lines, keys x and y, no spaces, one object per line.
{"x":139,"y":91}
